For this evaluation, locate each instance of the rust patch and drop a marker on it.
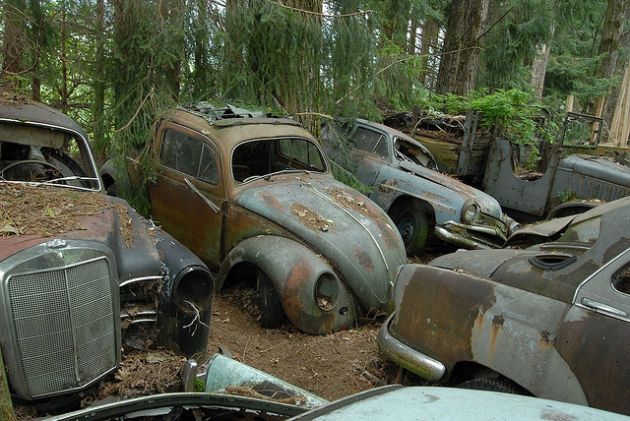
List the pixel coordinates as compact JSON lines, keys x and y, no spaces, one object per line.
{"x":553,"y":415}
{"x":45,"y":210}
{"x":126,"y":227}
{"x":272,"y":201}
{"x":311,"y":219}
{"x":497,"y":324}
{"x":364,"y":258}
{"x":454,"y":302}
{"x":355,"y":203}
{"x":546,"y":339}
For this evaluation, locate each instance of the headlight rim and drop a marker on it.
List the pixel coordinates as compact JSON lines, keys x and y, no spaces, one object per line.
{"x":468,"y":205}
{"x":333,"y":301}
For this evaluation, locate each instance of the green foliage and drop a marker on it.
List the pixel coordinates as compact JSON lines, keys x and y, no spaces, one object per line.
{"x":512,"y":114}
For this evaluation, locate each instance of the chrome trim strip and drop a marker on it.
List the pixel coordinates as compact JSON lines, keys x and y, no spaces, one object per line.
{"x":449,"y":237}
{"x":594,"y":274}
{"x":140,"y":279}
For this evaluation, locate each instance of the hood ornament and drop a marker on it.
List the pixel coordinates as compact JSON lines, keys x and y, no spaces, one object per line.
{"x":57,"y":243}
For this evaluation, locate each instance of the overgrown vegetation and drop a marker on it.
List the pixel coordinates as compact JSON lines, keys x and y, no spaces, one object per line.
{"x":114,"y":65}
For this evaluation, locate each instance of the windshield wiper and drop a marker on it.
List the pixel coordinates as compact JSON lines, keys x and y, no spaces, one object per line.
{"x":268,"y":176}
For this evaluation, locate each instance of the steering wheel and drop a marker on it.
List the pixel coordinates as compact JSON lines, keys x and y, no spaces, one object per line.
{"x":31,"y":172}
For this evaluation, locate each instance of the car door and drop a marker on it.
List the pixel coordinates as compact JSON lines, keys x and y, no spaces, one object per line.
{"x":371,"y":148}
{"x":188,"y":193}
{"x":594,"y":336}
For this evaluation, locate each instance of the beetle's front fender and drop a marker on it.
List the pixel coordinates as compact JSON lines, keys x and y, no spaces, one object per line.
{"x":294,"y":269}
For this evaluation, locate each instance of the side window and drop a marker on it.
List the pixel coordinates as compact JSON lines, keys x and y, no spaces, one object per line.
{"x":370,"y":141}
{"x":621,"y":280}
{"x":208,"y":165}
{"x":189,"y":156}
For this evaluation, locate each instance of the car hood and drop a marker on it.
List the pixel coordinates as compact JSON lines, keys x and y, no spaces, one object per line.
{"x":342,"y":225}
{"x":481,"y":263}
{"x":599,"y":168}
{"x":72,"y":215}
{"x":486,"y":202}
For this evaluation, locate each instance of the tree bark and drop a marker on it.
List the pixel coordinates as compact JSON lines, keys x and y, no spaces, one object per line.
{"x":172,"y":13}
{"x":64,"y":59}
{"x":539,"y":66}
{"x":609,"y":44}
{"x":620,"y":126}
{"x":15,"y":38}
{"x":6,"y":407}
{"x":99,"y":80}
{"x":430,"y":30}
{"x":459,"y":62}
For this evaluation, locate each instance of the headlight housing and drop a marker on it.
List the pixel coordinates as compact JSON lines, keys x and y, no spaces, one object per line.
{"x":326,"y":291}
{"x":470,"y":211}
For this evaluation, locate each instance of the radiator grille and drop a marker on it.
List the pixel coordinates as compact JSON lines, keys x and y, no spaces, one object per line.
{"x":65,"y":325}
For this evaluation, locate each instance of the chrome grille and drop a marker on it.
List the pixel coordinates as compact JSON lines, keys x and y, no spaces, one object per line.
{"x":65,"y":325}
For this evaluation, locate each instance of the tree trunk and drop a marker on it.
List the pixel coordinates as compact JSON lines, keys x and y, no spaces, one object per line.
{"x":200,"y":71}
{"x":460,"y":56}
{"x":99,"y":80}
{"x":15,"y":39}
{"x":609,"y":44}
{"x":6,"y":407}
{"x":413,"y":33}
{"x":539,"y":66}
{"x":64,"y":59}
{"x":430,"y":30}
{"x":172,"y":14}
{"x":620,"y":126}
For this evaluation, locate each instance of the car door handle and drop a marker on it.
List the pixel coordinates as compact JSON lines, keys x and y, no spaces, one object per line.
{"x":603,"y":307}
{"x":209,"y":202}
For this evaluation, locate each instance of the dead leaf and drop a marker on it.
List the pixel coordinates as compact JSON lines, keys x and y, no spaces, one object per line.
{"x":8,"y":228}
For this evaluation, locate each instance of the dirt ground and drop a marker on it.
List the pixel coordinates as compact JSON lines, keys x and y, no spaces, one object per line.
{"x":332,"y":366}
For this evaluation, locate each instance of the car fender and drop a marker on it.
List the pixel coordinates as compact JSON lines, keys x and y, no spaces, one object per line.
{"x":455,"y":317}
{"x":294,"y":269}
{"x":112,"y":176}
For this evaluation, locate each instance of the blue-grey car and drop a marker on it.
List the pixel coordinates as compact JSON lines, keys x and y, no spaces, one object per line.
{"x":405,"y":181}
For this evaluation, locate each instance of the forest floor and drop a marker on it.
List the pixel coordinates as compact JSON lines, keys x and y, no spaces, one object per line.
{"x":331,"y":366}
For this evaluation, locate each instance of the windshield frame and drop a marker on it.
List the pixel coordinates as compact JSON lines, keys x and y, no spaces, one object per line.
{"x":304,"y":138}
{"x":80,"y":137}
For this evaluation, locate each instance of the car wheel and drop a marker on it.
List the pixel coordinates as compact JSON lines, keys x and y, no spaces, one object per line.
{"x":271,"y":313}
{"x":413,"y":225}
{"x":500,"y":384}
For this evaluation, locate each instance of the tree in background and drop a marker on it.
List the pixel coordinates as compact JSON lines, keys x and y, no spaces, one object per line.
{"x":459,"y":62}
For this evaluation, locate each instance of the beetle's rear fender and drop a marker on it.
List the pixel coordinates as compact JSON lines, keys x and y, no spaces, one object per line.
{"x":294,"y":271}
{"x":185,"y":306}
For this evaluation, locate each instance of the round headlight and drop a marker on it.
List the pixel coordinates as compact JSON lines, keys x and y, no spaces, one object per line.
{"x":326,"y":292}
{"x":470,"y":212}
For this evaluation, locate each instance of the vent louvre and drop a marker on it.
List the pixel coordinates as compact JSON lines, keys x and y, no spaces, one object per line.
{"x":65,"y":325}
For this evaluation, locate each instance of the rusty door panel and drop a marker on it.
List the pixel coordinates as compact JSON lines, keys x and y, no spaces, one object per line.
{"x":186,"y":216}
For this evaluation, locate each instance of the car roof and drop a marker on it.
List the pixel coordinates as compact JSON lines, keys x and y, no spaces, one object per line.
{"x":231,"y":126}
{"x":27,"y":111}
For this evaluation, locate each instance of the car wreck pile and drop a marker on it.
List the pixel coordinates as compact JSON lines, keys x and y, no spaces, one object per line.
{"x":241,"y":197}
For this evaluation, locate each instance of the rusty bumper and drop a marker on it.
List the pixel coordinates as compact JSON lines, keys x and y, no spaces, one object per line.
{"x":407,"y":357}
{"x":471,"y":237}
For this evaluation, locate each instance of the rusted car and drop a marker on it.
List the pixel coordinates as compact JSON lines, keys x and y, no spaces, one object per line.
{"x":253,"y":197}
{"x":552,"y":320}
{"x":81,"y":274}
{"x":422,"y":202}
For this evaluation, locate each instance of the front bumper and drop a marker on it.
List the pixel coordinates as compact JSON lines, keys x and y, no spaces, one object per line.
{"x":472,"y":237}
{"x":407,"y":357}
